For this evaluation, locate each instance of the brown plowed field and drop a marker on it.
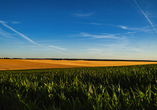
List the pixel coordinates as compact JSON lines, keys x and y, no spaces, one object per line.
{"x":14,"y":64}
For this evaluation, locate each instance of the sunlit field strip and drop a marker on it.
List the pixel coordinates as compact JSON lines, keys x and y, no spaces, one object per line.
{"x":13,"y":64}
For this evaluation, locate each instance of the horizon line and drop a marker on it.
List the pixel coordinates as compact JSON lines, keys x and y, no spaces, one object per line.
{"x":86,"y":59}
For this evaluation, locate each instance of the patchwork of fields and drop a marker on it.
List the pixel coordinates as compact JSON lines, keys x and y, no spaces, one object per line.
{"x":16,"y":64}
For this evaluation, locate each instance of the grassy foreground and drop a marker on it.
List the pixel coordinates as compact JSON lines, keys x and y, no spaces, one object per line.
{"x":101,"y":88}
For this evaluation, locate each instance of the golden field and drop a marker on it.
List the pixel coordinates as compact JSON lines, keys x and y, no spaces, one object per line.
{"x":21,"y":64}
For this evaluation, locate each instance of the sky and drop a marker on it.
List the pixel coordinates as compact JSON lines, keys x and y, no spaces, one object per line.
{"x":98,"y":29}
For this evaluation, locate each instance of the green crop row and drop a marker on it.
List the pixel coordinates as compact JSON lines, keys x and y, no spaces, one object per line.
{"x":101,"y":88}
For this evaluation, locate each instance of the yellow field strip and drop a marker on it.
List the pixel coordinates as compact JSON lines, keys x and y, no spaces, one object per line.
{"x":16,"y":64}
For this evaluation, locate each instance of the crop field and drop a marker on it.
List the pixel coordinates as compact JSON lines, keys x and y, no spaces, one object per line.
{"x":13,"y":64}
{"x":86,"y":88}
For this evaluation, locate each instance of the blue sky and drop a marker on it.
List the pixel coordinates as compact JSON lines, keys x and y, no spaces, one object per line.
{"x":102,"y":29}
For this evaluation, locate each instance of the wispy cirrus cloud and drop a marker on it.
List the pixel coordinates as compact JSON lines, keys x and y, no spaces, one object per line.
{"x":57,"y":47}
{"x":101,"y":36}
{"x":96,"y":23}
{"x":22,"y":35}
{"x":119,"y":44}
{"x":146,"y":16}
{"x":95,"y":50}
{"x":136,"y":49}
{"x":15,"y":22}
{"x":83,"y":14}
{"x":51,"y":47}
{"x":6,"y":34}
{"x":144,"y":29}
{"x":135,"y":29}
{"x":123,"y":27}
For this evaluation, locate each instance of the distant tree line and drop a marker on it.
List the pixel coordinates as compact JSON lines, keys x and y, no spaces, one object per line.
{"x":79,"y":59}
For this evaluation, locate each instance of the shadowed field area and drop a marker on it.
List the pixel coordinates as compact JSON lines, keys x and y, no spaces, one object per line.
{"x":16,"y":64}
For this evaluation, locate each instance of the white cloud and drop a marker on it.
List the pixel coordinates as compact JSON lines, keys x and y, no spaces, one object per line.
{"x":22,"y":35}
{"x":123,"y":27}
{"x":6,"y":34}
{"x":91,"y":23}
{"x":121,"y":44}
{"x":56,"y":47}
{"x":96,"y":23}
{"x":145,"y":16}
{"x":51,"y":47}
{"x":136,"y":49}
{"x":15,"y":22}
{"x":95,"y":50}
{"x":144,"y":29}
{"x":83,"y":15}
{"x":99,"y":36}
{"x":2,"y":21}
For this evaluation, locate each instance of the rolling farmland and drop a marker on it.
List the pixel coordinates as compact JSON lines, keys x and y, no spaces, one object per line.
{"x":68,"y":87}
{"x":89,"y":88}
{"x":20,"y":64}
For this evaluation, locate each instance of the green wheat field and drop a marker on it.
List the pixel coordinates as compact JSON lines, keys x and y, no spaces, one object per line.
{"x":94,"y":88}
